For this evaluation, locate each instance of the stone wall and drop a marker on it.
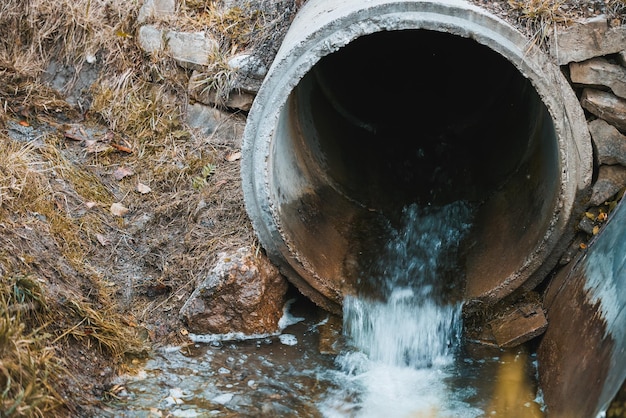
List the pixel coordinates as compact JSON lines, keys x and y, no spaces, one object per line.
{"x":593,"y":56}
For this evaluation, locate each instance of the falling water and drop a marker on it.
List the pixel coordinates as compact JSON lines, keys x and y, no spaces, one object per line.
{"x":404,"y":335}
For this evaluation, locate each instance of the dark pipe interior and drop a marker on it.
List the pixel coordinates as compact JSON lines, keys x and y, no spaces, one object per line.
{"x":423,"y":117}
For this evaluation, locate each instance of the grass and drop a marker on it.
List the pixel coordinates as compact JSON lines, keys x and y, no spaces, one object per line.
{"x":27,"y":364}
{"x":50,"y":253}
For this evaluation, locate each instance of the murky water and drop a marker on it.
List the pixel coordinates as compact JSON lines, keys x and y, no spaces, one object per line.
{"x":403,"y":353}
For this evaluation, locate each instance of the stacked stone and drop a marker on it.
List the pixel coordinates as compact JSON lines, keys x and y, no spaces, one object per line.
{"x":595,"y":55}
{"x":197,"y":51}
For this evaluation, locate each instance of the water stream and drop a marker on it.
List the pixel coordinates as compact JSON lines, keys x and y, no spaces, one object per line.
{"x":403,"y":349}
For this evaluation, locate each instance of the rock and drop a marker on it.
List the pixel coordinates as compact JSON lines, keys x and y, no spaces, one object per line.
{"x":588,"y":39}
{"x":600,"y":72}
{"x":190,"y":49}
{"x":249,"y":65}
{"x":75,"y":86}
{"x":610,"y":144}
{"x":205,"y":118}
{"x":519,"y":325}
{"x":606,"y":106}
{"x":200,"y":91}
{"x":330,"y":335}
{"x":621,"y":58}
{"x":611,"y":179}
{"x":150,"y":39}
{"x":224,"y":128}
{"x":243,"y":293}
{"x":155,"y":8}
{"x":586,"y":225}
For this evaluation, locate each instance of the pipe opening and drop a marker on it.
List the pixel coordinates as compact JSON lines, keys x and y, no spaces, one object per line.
{"x":414,"y":116}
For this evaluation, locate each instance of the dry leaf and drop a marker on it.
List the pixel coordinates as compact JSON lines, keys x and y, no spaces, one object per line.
{"x":104,"y":241}
{"x":122,"y":148}
{"x":24,"y":123}
{"x":90,"y":205}
{"x":122,"y":172}
{"x":233,"y":156}
{"x":143,"y":189}
{"x":118,"y":209}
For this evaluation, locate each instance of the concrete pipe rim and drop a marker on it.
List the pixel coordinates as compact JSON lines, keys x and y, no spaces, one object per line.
{"x":320,"y":30}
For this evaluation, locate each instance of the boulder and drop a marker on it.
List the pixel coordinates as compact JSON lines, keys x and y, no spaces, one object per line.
{"x":588,"y":39}
{"x":244,"y":293}
{"x":600,"y":72}
{"x":609,"y":143}
{"x":606,"y":106}
{"x":611,"y":179}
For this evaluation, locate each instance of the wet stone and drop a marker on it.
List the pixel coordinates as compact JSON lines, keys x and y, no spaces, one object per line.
{"x":606,"y":106}
{"x":243,"y":293}
{"x":520,"y":324}
{"x":609,"y":143}
{"x":330,"y":335}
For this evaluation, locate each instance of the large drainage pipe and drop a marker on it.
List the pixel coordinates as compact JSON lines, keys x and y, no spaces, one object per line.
{"x":373,"y":105}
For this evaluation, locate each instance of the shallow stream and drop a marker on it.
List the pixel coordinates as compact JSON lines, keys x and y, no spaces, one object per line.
{"x":402,"y":353}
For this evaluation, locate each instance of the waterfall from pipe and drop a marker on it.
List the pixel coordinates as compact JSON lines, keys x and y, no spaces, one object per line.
{"x":404,"y":337}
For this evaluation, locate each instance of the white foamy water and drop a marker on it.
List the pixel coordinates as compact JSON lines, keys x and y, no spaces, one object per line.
{"x":404,"y":340}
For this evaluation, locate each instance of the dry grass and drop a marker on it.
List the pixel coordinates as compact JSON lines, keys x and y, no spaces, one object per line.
{"x":27,"y":364}
{"x":71,"y":31}
{"x":540,"y":17}
{"x":50,"y":253}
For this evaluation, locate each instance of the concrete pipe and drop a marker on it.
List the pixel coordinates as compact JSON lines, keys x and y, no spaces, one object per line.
{"x":373,"y":105}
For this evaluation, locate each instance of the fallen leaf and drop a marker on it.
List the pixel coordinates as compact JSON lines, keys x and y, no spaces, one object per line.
{"x":122,"y":172}
{"x":122,"y":148}
{"x":118,"y":209}
{"x":90,"y":205}
{"x":143,"y":189}
{"x":596,"y":229}
{"x":104,"y":241}
{"x":583,"y":246}
{"x":233,"y":156}
{"x":184,"y":332}
{"x":24,"y":123}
